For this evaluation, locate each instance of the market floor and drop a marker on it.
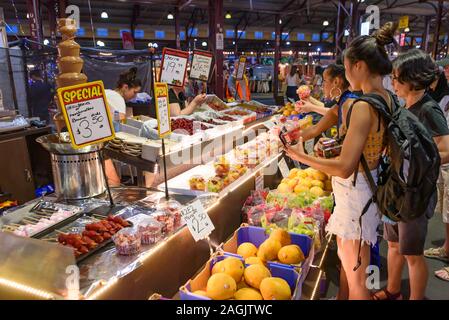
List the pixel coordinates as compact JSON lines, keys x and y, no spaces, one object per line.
{"x":436,"y":289}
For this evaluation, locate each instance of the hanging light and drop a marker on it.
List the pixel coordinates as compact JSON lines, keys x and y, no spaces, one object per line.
{"x":46,"y":42}
{"x":290,"y":52}
{"x":325,"y":23}
{"x":319,"y":49}
{"x":195,"y":39}
{"x":280,"y":21}
{"x":268,"y":42}
{"x":288,"y":43}
{"x":155,"y":45}
{"x":228,"y":15}
{"x":204,"y":44}
{"x":310,"y":44}
{"x":100,"y":43}
{"x":407,"y":29}
{"x":233,"y":42}
{"x":104,"y":15}
{"x":170,"y":16}
{"x":252,"y":52}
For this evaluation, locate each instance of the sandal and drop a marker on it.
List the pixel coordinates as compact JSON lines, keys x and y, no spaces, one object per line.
{"x":437,"y":253}
{"x":443,"y":274}
{"x":387,"y":294}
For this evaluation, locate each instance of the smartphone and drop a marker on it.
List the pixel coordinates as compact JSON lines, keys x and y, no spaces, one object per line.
{"x":282,"y":137}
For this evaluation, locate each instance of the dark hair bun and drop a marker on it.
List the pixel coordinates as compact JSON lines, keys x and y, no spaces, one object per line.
{"x":129,"y":78}
{"x":385,"y":35}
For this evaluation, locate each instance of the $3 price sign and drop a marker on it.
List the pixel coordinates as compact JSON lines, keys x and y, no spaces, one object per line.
{"x":198,"y":221}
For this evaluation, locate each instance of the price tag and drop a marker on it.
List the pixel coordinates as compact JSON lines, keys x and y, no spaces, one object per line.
{"x":86,"y":113}
{"x":220,"y":41}
{"x":198,"y":221}
{"x":162,"y":109}
{"x":259,"y":180}
{"x":174,"y":67}
{"x":269,"y":124}
{"x":309,"y":145}
{"x":403,"y":22}
{"x":201,"y":65}
{"x":241,"y":68}
{"x":285,"y":171}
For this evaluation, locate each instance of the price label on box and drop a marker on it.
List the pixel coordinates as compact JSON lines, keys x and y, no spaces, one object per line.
{"x":201,"y":65}
{"x":309,"y":145}
{"x":241,"y":68}
{"x":284,"y":168}
{"x":162,"y":109}
{"x":173,"y":67}
{"x":86,"y":113}
{"x":198,"y":221}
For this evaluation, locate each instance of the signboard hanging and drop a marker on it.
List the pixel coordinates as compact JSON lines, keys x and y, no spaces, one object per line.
{"x":162,"y":109}
{"x":86,"y":113}
{"x":241,"y":68}
{"x":173,"y":67}
{"x":127,"y":40}
{"x":403,"y":22}
{"x":201,"y":65}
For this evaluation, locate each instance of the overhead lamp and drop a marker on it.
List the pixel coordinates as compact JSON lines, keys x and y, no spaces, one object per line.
{"x":407,"y":29}
{"x":104,"y":15}
{"x":155,"y":45}
{"x":233,"y":42}
{"x":228,"y":15}
{"x":28,"y":15}
{"x":204,"y":44}
{"x":280,"y":21}
{"x":310,"y":44}
{"x":252,"y":52}
{"x":325,"y":23}
{"x":150,"y":44}
{"x":290,"y":52}
{"x":170,"y":16}
{"x":319,"y":49}
{"x":346,"y":32}
{"x":46,"y":42}
{"x":268,"y":42}
{"x":288,"y":43}
{"x":195,"y":39}
{"x":100,"y":43}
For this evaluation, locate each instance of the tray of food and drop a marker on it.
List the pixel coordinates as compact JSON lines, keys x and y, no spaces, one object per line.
{"x":88,"y":235}
{"x":39,"y":219}
{"x":247,"y":115}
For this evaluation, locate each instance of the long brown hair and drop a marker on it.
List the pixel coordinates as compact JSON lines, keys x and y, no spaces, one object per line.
{"x":293,"y":70}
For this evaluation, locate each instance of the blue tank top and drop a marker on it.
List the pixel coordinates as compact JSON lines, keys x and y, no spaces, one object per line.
{"x":345,"y":96}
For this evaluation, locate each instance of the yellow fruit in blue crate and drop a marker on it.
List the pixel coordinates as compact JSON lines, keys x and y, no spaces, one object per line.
{"x":234,"y":267}
{"x":317,"y":191}
{"x":275,"y":289}
{"x":282,"y":236}
{"x":200,"y":293}
{"x":218,"y":267}
{"x":221,"y":286}
{"x":248,"y":294}
{"x":254,"y":260}
{"x":318,"y":183}
{"x":255,"y":273}
{"x":269,"y":249}
{"x":246,"y":250}
{"x":291,"y":254}
{"x":242,"y":284}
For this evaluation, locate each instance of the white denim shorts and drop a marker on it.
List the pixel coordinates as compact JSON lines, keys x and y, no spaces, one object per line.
{"x":349,"y":204}
{"x":445,"y":177}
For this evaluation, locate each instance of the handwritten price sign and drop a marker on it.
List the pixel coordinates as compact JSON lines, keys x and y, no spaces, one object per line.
{"x":198,"y":221}
{"x":162,"y":109}
{"x":86,"y":113}
{"x":241,"y":68}
{"x":201,"y":65}
{"x":174,"y":67}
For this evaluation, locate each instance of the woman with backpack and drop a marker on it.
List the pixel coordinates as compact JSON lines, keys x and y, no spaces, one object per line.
{"x":413,"y":72}
{"x":356,"y":218}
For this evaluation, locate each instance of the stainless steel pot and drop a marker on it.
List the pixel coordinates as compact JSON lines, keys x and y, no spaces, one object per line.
{"x":77,"y":173}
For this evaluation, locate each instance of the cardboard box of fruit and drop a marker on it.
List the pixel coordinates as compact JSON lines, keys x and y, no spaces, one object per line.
{"x":227,"y":277}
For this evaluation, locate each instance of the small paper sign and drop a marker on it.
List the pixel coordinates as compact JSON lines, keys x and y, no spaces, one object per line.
{"x":198,"y":221}
{"x":86,"y":113}
{"x":259,"y":180}
{"x":269,"y":124}
{"x":284,"y":168}
{"x":241,"y":68}
{"x":162,"y":109}
{"x":201,"y":65}
{"x":220,"y":41}
{"x":174,"y":67}
{"x":309,"y":145}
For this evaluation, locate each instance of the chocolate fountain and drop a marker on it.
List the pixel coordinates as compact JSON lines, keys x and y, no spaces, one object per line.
{"x":77,"y":173}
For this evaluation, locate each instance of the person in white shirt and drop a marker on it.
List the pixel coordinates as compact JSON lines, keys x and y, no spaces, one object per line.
{"x":127,"y":88}
{"x":293,"y":82}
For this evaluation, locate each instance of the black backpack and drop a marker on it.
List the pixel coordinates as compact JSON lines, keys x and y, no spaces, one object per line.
{"x":410,"y":169}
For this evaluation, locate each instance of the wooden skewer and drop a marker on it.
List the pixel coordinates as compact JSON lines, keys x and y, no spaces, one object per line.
{"x":98,"y":216}
{"x":49,"y":239}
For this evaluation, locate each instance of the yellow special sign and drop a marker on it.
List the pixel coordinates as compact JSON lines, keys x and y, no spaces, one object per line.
{"x":80,"y":94}
{"x":86,"y":113}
